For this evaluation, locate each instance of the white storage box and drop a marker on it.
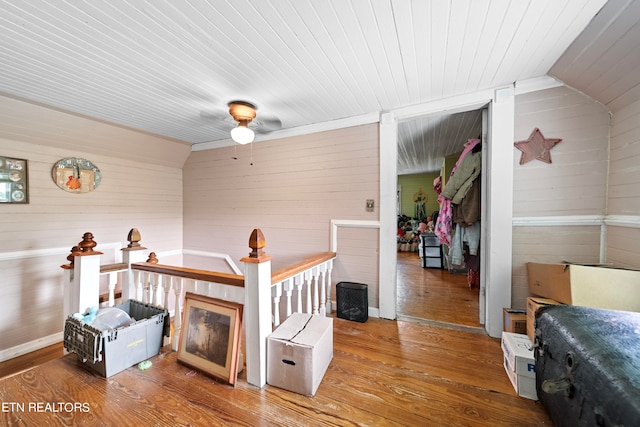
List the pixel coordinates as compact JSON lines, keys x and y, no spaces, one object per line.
{"x":520,"y":364}
{"x":299,"y":352}
{"x":523,"y":385}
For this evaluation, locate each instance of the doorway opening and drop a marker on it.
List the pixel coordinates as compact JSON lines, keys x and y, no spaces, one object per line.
{"x":430,"y":289}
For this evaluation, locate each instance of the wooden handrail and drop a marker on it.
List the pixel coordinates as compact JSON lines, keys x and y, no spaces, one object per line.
{"x":117,"y":294}
{"x":305,"y":264}
{"x":192,"y":273}
{"x":108,"y":268}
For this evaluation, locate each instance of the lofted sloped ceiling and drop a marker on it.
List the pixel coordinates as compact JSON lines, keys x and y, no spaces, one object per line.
{"x":170,"y":67}
{"x":604,"y":61}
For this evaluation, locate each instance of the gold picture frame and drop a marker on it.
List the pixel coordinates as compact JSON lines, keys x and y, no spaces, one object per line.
{"x":210,"y":337}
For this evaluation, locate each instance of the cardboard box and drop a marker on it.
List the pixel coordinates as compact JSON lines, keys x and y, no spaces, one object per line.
{"x":533,"y":303}
{"x":514,"y":320}
{"x":519,"y":363}
{"x":114,"y":350}
{"x":518,"y":352}
{"x":523,"y":385}
{"x":299,"y":352}
{"x":586,"y":285}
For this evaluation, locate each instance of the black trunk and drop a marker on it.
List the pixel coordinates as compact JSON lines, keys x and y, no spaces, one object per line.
{"x":588,"y":365}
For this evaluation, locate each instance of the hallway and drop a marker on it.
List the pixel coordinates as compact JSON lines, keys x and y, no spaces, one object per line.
{"x":434,"y":294}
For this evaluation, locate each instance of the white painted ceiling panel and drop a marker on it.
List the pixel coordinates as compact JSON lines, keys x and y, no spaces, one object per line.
{"x":170,"y":68}
{"x":435,"y":138}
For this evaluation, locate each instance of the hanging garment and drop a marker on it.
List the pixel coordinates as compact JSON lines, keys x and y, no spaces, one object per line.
{"x":468,"y":211}
{"x":460,"y":182}
{"x":457,"y":251}
{"x":471,"y":236}
{"x":444,"y":221}
{"x":443,"y":224}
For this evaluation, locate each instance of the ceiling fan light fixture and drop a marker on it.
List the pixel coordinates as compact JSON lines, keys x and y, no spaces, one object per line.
{"x":242,"y":134}
{"x":242,"y":112}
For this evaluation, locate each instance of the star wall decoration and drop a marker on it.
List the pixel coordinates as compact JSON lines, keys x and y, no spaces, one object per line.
{"x":536,"y":147}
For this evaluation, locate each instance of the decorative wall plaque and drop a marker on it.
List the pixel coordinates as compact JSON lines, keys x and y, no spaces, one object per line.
{"x":536,"y":147}
{"x":14,"y":182}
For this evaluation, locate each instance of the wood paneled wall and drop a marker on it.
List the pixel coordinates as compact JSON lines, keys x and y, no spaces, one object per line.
{"x":574,"y":184}
{"x":294,"y":188}
{"x":623,"y":247}
{"x":551,"y":244}
{"x":143,"y":194}
{"x":624,"y":170}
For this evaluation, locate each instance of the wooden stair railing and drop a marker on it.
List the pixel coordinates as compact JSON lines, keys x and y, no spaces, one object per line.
{"x":260,"y":290}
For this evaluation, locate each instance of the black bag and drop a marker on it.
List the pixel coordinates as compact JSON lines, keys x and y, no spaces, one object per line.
{"x":588,"y":365}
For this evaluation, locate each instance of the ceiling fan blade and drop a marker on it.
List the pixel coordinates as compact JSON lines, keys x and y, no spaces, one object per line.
{"x":266,"y":124}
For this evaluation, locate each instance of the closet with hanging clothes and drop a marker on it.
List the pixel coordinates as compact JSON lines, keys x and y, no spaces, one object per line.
{"x":458,"y":222}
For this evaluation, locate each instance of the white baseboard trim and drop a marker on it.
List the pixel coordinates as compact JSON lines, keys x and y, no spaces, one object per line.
{"x":30,"y":346}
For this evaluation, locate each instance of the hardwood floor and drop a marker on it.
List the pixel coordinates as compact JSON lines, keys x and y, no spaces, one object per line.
{"x":383,"y":373}
{"x":435,"y":294}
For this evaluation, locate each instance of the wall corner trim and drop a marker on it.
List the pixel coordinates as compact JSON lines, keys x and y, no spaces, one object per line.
{"x":351,"y":223}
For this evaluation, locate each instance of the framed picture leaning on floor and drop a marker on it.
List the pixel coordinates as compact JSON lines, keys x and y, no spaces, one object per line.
{"x":210,"y":337}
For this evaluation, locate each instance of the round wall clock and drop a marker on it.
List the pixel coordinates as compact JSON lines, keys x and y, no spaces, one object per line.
{"x":76,"y":175}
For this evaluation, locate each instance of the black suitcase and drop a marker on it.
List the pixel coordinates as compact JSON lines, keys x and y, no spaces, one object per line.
{"x":588,"y":365}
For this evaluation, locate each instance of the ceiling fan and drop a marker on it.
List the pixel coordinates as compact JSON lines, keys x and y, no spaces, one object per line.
{"x":248,"y":121}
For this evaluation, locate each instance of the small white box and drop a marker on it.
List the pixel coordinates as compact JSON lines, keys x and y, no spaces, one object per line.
{"x":523,"y":385}
{"x":299,"y":352}
{"x":518,"y":351}
{"x":520,"y":364}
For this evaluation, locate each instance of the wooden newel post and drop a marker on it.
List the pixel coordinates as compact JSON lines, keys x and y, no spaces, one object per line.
{"x":84,"y":290}
{"x":257,"y":308}
{"x":130,"y":255}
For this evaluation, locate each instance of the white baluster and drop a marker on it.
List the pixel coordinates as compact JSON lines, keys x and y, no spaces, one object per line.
{"x":113,"y":279}
{"x":308,"y":279}
{"x":190,"y":286}
{"x":298,"y":282}
{"x":216,"y":291}
{"x":137,"y":283}
{"x":276,"y":293}
{"x":155,"y":282}
{"x":167,"y":282}
{"x":177,"y":312}
{"x":314,"y":274}
{"x":199,"y":288}
{"x":145,"y":287}
{"x":288,"y":289}
{"x":329,"y":285}
{"x":322,"y":310}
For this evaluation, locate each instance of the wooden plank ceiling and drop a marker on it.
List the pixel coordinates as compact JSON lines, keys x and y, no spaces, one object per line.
{"x":170,"y":67}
